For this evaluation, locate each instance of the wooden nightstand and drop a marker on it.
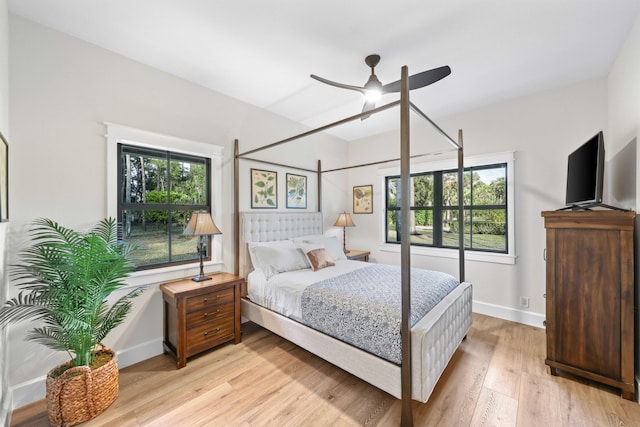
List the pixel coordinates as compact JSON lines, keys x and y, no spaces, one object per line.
{"x":357,"y":255}
{"x":200,"y":315}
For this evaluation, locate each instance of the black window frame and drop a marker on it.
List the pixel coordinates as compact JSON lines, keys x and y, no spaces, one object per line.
{"x":437,"y":208}
{"x":122,"y":205}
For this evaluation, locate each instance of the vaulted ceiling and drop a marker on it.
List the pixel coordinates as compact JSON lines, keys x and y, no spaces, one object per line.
{"x":262,"y":52}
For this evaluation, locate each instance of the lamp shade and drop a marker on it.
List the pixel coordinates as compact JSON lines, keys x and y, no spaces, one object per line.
{"x":344,"y":220}
{"x":201,"y":224}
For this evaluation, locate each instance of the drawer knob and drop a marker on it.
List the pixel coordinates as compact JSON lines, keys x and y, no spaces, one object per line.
{"x":211,"y":332}
{"x":211,"y":314}
{"x":215,"y":298}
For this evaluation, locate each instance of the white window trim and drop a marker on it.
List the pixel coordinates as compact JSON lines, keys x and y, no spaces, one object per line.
{"x":487,"y":159}
{"x":141,"y":138}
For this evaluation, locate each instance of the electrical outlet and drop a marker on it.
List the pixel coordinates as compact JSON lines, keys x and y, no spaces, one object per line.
{"x":524,"y":302}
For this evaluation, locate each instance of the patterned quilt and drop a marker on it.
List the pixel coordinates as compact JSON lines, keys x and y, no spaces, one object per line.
{"x":364,"y":307}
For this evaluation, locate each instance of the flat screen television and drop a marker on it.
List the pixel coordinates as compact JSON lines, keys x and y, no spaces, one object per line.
{"x":585,"y":173}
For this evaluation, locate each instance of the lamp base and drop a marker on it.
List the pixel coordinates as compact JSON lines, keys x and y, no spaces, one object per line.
{"x":201,"y":278}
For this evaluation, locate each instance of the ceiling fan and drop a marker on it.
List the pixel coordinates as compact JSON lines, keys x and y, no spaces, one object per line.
{"x":373,"y":88}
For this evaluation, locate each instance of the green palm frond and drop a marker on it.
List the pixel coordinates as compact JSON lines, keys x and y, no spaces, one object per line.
{"x":66,"y":278}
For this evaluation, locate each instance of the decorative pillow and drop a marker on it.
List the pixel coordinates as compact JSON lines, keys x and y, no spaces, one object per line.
{"x":319,"y":258}
{"x":332,"y":245}
{"x":278,"y":259}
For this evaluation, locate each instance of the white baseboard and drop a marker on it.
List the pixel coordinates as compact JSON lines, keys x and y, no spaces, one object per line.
{"x":35,"y":389}
{"x":132,"y":355}
{"x":507,"y":313}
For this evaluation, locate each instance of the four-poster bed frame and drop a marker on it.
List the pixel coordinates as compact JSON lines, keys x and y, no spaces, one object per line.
{"x":378,"y":372}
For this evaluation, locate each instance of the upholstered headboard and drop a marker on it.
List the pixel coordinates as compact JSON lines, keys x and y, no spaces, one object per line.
{"x":266,"y":227}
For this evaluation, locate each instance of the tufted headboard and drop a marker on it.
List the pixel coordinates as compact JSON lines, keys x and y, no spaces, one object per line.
{"x":266,"y":227}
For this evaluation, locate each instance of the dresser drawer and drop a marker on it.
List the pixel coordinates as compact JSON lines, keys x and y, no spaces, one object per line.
{"x":210,"y":313}
{"x":211,"y":298}
{"x":209,"y":334}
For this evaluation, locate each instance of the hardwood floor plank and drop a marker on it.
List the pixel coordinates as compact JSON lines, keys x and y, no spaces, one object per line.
{"x":497,"y":377}
{"x":495,"y":409}
{"x":539,"y":402}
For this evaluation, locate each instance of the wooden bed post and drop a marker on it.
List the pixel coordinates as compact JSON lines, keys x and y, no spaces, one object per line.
{"x":319,"y":178}
{"x":460,"y":206}
{"x":236,"y":206}
{"x":406,"y":419}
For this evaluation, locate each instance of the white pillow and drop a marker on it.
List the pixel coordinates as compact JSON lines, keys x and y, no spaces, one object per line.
{"x":278,"y":259}
{"x":333,"y":246}
{"x":302,"y":239}
{"x":253,"y":245}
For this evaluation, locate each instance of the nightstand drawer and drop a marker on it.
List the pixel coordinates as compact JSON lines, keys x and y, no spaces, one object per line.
{"x":209,"y":334}
{"x":212,"y":298}
{"x":209,"y":313}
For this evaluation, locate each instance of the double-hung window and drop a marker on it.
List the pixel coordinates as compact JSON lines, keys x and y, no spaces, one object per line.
{"x":155,"y":183}
{"x":158,"y":191}
{"x":434,"y":201}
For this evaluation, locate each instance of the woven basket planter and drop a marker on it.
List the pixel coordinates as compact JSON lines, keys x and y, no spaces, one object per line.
{"x":80,"y":393}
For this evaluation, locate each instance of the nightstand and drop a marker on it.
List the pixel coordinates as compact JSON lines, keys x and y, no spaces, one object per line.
{"x":358,"y":255}
{"x":200,"y":315}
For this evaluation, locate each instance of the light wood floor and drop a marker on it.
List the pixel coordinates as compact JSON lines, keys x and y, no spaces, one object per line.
{"x":496,"y":378}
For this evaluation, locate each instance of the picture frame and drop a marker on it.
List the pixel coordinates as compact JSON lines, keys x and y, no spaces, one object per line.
{"x":363,"y":199}
{"x":296,"y":191}
{"x":4,"y":179}
{"x":264,"y":189}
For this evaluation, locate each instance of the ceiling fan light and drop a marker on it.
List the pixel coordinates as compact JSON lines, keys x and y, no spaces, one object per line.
{"x":372,"y":94}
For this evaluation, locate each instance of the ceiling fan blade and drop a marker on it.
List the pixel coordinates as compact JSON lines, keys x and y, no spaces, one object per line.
{"x":368,"y":105}
{"x":419,"y":80}
{"x":340,"y":85}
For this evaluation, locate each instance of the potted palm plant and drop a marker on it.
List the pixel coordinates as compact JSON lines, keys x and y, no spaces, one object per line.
{"x":66,"y":279}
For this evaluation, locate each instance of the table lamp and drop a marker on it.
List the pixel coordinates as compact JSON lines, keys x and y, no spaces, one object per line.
{"x":201,"y":225}
{"x":344,"y":221}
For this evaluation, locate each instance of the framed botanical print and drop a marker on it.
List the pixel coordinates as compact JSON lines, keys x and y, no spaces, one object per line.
{"x":296,"y":191}
{"x":264,"y":189}
{"x":363,"y":199}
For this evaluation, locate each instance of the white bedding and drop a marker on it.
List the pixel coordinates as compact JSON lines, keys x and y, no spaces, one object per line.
{"x":282,"y":292}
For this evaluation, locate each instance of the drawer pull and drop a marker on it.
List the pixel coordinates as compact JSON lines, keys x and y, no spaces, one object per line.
{"x":206,"y":333}
{"x":216,"y":297}
{"x":211,"y":314}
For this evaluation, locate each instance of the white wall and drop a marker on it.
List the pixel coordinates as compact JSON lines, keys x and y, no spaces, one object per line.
{"x":62,"y":90}
{"x":542,"y":129}
{"x":624,"y":128}
{"x":5,"y":398}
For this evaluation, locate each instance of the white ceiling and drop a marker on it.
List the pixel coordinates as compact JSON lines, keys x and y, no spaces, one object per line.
{"x":262,"y":52}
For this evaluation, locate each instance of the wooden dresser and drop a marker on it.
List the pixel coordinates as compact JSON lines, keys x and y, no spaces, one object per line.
{"x":200,"y":315}
{"x":590,"y":296}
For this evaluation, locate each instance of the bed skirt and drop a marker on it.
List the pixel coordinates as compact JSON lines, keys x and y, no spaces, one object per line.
{"x":434,"y":340}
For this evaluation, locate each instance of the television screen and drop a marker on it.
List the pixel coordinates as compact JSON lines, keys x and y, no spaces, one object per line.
{"x":585,"y":173}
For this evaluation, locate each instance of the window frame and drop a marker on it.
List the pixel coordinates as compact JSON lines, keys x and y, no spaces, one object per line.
{"x":447,"y":166}
{"x":120,"y":134}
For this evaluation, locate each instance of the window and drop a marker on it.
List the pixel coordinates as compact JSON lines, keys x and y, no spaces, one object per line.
{"x":434,"y":203}
{"x":154,"y":183}
{"x":157,"y":193}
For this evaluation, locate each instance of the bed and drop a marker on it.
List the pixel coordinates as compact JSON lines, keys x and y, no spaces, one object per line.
{"x":434,"y":337}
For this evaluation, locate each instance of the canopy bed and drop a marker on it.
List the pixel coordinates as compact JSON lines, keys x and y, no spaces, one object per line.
{"x":414,"y":370}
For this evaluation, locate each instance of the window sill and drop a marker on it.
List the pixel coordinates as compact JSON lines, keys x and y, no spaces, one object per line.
{"x":453,"y":253}
{"x":165,"y":274}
